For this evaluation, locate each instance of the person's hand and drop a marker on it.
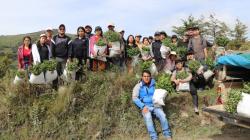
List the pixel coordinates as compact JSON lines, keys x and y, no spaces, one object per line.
{"x":145,"y":110}
{"x":177,"y":82}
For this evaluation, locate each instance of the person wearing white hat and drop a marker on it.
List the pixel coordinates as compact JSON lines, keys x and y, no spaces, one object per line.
{"x":170,"y":62}
{"x":41,"y":51}
{"x":111,"y":26}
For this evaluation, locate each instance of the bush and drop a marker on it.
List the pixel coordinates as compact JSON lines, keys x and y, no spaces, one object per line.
{"x":194,"y":65}
{"x":112,"y":36}
{"x":234,"y":96}
{"x":222,"y":41}
{"x":133,"y":51}
{"x":36,"y":69}
{"x":163,"y":81}
{"x":101,"y":42}
{"x":145,"y":65}
{"x":210,"y":63}
{"x":182,"y":75}
{"x":72,"y":65}
{"x":49,"y":65}
{"x":167,"y":42}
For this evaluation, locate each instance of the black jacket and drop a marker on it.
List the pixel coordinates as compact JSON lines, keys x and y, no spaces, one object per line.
{"x":156,"y":46}
{"x":79,"y":48}
{"x":60,"y":46}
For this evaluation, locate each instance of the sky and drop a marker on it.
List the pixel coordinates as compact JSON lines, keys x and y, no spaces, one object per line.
{"x":134,"y":16}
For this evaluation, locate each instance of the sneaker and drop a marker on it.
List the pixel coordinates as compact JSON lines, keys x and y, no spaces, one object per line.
{"x":196,"y":110}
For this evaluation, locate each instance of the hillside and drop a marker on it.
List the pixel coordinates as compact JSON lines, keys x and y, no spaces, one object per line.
{"x":100,"y":107}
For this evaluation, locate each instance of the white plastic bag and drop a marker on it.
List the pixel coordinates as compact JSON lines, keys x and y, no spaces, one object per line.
{"x":116,"y":45}
{"x":243,"y":107}
{"x":135,"y":60}
{"x":159,"y":96}
{"x":183,"y":87}
{"x":113,"y":52}
{"x":69,"y":75}
{"x":17,"y":80}
{"x":208,"y":74}
{"x":100,"y":49}
{"x":164,"y":51}
{"x":37,"y":79}
{"x":50,"y":76}
{"x":153,"y":69}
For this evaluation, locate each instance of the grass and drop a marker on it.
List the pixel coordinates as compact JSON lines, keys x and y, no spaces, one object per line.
{"x":99,"y":108}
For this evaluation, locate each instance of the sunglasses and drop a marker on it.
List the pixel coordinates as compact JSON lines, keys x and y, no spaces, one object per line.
{"x":62,"y":29}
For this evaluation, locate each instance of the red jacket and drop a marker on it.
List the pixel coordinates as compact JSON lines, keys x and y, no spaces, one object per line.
{"x":20,"y":57}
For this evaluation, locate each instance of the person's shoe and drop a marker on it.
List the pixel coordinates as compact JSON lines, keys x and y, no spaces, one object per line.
{"x":196,"y":110}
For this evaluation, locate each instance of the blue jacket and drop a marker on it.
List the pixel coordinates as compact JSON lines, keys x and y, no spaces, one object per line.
{"x":143,"y":94}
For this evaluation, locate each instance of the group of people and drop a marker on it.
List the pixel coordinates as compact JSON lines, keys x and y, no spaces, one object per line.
{"x":63,"y":49}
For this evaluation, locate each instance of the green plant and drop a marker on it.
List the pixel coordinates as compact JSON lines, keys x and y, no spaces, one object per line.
{"x":182,"y":75}
{"x":146,"y":49}
{"x":246,"y":88}
{"x":222,"y":41}
{"x":49,"y":65}
{"x":101,"y":42}
{"x":21,"y":73}
{"x":36,"y":69}
{"x":112,"y":36}
{"x":181,"y":51}
{"x":163,"y":81}
{"x":145,"y":65}
{"x":194,"y":65}
{"x":210,"y":63}
{"x":167,"y":42}
{"x":133,"y":51}
{"x":72,"y":65}
{"x":234,"y":96}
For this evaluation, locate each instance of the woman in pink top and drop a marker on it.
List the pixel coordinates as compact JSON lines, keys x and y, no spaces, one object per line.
{"x":24,"y":55}
{"x":96,"y":65}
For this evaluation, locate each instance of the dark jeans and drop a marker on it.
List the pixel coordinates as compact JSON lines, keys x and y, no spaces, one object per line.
{"x":193,"y":92}
{"x":61,"y":64}
{"x":79,"y":73}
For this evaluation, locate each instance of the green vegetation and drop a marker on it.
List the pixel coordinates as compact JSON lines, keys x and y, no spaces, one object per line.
{"x":210,"y":63}
{"x":145,"y":65}
{"x":182,"y":75}
{"x":72,"y":65}
{"x":167,"y":42}
{"x":194,"y":65}
{"x":21,"y":73}
{"x":49,"y":65}
{"x":101,"y":42}
{"x":112,"y":36}
{"x":146,"y":49}
{"x":133,"y":51}
{"x":222,"y":41}
{"x":36,"y":69}
{"x":234,"y":96}
{"x":164,"y":82}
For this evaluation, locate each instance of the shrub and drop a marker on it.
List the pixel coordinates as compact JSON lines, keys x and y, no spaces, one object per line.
{"x":182,"y":75}
{"x":36,"y":69}
{"x":112,"y":36}
{"x":222,"y":41}
{"x":133,"y":51}
{"x":234,"y":96}
{"x":163,"y":81}
{"x":72,"y":65}
{"x":194,"y":65}
{"x":101,"y":42}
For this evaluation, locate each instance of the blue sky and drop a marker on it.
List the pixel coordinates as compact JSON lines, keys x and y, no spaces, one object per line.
{"x":135,"y":16}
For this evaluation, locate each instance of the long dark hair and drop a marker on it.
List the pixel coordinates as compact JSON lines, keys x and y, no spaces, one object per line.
{"x":79,"y":29}
{"x":29,"y":39}
{"x":127,"y":42}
